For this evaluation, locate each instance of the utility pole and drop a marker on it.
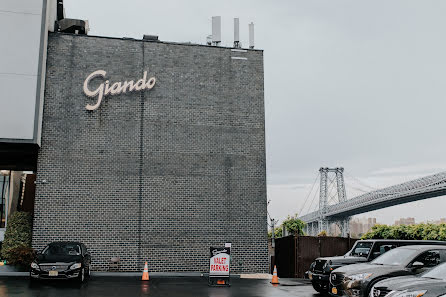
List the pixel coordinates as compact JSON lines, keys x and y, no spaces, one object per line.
{"x":273,"y":222}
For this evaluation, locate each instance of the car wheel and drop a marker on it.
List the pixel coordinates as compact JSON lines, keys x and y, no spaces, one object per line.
{"x":319,"y":288}
{"x":32,"y":280}
{"x":372,"y":283}
{"x":81,"y":276}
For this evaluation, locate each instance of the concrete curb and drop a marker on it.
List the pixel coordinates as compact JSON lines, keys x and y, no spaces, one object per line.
{"x":152,"y":274}
{"x":126,"y":274}
{"x":14,"y":273}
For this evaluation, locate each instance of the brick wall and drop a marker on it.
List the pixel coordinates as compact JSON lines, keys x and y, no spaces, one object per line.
{"x":159,"y":175}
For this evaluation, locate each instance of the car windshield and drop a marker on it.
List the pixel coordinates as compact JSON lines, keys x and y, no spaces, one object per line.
{"x":437,"y":272}
{"x":396,"y":257}
{"x":62,"y":249}
{"x":361,"y":249}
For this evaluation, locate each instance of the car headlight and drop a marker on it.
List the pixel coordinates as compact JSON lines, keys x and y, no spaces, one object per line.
{"x":410,"y":293}
{"x":34,"y":265}
{"x":361,"y":276}
{"x":75,"y":266}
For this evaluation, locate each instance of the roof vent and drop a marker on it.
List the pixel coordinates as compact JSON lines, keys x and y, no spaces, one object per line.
{"x":150,"y":37}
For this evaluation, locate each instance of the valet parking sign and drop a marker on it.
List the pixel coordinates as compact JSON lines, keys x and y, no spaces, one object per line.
{"x":219,"y":264}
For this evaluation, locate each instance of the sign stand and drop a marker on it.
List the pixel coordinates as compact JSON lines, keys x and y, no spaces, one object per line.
{"x":219,"y":265}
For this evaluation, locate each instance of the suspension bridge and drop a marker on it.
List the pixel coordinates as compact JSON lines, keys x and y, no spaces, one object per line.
{"x":334,"y":207}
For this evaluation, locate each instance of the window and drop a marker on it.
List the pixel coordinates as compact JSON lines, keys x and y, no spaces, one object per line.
{"x":381,"y":248}
{"x":385,"y":248}
{"x":429,"y":258}
{"x":62,"y":249}
{"x":396,"y":257}
{"x":361,"y":249}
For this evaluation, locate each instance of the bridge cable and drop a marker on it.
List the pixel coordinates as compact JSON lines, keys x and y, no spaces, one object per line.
{"x":380,"y":191}
{"x":308,"y":195}
{"x":360,"y":182}
{"x":358,"y":189}
{"x":329,"y":190}
{"x":314,"y":199}
{"x":411,"y":186}
{"x":332,"y":185}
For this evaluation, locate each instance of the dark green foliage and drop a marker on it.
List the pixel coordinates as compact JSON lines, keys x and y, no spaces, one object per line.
{"x":292,"y":224}
{"x":17,"y":237}
{"x":21,"y":256}
{"x":416,"y":232}
{"x":277,"y":232}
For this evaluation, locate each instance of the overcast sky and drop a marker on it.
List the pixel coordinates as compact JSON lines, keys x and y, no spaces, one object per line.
{"x":357,"y":84}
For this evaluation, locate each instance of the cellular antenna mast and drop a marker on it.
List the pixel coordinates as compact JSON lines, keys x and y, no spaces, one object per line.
{"x":237,"y":33}
{"x":216,"y":30}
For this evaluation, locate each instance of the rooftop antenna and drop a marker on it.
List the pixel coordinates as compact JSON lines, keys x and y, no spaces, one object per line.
{"x":251,"y":35}
{"x":237,"y":33}
{"x":216,"y":30}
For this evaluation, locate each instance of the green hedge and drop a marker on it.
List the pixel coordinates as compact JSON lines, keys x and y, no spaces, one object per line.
{"x":18,"y":237}
{"x":417,"y":232}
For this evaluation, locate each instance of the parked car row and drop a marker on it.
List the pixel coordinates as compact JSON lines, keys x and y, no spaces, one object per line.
{"x":379,"y":268}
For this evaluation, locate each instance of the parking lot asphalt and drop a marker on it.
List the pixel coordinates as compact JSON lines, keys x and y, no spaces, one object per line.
{"x":165,"y":287}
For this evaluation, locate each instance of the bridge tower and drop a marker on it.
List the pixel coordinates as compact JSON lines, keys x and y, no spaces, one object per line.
{"x":323,"y":223}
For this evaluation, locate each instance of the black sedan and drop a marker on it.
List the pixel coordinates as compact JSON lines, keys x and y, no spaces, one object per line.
{"x":429,"y":284}
{"x":62,"y":260}
{"x":358,"y":279}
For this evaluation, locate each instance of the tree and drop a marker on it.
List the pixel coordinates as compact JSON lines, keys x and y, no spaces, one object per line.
{"x":416,"y":232}
{"x":292,"y":224}
{"x":16,"y":247}
{"x":277,"y":232}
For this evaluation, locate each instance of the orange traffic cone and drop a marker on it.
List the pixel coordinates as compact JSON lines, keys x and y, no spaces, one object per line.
{"x":275,"y":280}
{"x":145,"y":274}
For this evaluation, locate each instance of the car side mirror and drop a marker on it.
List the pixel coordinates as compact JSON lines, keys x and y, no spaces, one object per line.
{"x":417,"y":265}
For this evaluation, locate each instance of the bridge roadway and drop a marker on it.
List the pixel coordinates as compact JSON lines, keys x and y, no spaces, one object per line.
{"x":418,"y":189}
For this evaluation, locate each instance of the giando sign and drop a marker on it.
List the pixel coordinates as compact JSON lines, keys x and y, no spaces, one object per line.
{"x":116,"y":88}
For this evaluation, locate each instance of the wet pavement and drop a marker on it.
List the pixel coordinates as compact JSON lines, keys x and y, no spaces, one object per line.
{"x":161,"y":287}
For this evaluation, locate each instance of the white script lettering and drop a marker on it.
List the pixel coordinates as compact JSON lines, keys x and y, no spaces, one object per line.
{"x":116,"y":88}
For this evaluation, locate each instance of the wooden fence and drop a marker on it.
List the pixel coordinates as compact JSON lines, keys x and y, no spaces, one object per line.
{"x":294,"y":254}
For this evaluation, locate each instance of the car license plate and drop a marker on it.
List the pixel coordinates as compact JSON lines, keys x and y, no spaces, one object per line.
{"x":334,"y":291}
{"x":53,"y":273}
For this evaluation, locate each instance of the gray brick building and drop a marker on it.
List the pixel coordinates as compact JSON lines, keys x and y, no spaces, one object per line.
{"x":157,"y":175}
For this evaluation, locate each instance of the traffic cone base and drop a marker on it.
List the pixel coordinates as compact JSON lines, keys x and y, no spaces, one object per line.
{"x":275,"y":280}
{"x":145,"y":274}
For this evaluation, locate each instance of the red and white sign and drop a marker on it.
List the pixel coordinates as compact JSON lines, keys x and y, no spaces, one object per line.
{"x":219,"y":263}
